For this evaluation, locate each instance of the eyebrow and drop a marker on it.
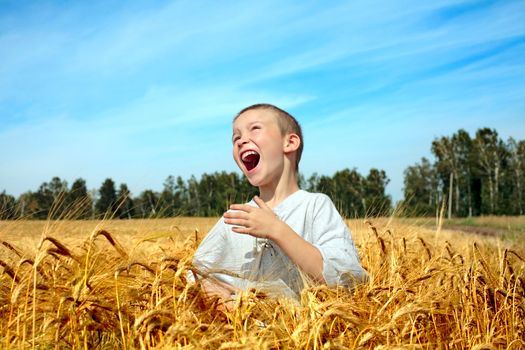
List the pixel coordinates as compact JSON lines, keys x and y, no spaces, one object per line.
{"x":249,"y":124}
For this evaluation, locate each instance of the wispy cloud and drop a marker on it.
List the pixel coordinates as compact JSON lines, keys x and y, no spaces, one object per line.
{"x":141,"y":90}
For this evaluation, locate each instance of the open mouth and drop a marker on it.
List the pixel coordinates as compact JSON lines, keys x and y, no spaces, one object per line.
{"x":250,"y":159}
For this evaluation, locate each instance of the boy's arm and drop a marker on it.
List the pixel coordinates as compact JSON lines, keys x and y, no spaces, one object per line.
{"x":209,"y":257}
{"x":223,"y":291}
{"x":299,"y":250}
{"x":261,"y":222}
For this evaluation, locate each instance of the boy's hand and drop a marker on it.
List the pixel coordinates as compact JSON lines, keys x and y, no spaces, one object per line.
{"x":258,"y":222}
{"x":223,"y":291}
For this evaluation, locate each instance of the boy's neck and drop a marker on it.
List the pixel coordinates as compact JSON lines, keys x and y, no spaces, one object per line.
{"x":274,"y":193}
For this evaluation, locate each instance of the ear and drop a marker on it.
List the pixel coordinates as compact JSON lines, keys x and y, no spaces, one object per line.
{"x":291,"y":143}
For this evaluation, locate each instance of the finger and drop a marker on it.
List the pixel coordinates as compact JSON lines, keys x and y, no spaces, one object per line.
{"x":240,"y":229}
{"x":235,"y":215}
{"x":236,"y":222}
{"x":242,"y":207}
{"x":261,"y":203}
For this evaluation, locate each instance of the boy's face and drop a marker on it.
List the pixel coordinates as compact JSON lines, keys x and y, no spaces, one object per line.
{"x":258,"y":146}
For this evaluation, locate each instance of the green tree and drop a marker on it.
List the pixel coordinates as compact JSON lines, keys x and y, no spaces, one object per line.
{"x":148,"y":204}
{"x":454,"y":162}
{"x":213,"y":193}
{"x":7,"y":206}
{"x":167,"y":201}
{"x":219,"y":190}
{"x":301,"y":180}
{"x":51,"y":199}
{"x":376,"y":201}
{"x":421,"y":192}
{"x":448,"y":169}
{"x":181,"y":197}
{"x":193,"y":204}
{"x":346,"y":188}
{"x":487,"y":174}
{"x":125,"y":204}
{"x":78,"y":201}
{"x":28,"y":205}
{"x":462,"y":144}
{"x":245,"y":191}
{"x":516,"y":175}
{"x":107,"y":201}
{"x":312,"y":184}
{"x":491,"y":156}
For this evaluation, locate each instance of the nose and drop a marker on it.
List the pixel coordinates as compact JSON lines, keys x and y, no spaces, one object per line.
{"x":242,"y":140}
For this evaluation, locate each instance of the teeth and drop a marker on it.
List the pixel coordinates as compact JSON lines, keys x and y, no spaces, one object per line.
{"x":248,"y":153}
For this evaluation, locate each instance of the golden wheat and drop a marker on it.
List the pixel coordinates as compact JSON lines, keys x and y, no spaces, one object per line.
{"x":122,"y":284}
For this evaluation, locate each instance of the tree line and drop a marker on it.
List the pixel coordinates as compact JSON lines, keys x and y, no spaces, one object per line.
{"x":471,"y":176}
{"x":211,"y":195}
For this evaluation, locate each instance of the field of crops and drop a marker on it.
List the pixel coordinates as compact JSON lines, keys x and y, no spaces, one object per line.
{"x":122,"y":284}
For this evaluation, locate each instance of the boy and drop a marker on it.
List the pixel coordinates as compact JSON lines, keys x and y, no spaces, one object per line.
{"x":267,"y":242}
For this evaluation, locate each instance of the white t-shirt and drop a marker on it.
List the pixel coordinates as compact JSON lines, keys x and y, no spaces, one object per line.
{"x":245,"y":261}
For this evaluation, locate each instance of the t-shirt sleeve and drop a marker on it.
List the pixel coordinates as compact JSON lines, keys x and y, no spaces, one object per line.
{"x":209,"y":253}
{"x":341,"y":265}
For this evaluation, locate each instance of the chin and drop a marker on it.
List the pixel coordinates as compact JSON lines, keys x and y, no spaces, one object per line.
{"x":254,"y":181}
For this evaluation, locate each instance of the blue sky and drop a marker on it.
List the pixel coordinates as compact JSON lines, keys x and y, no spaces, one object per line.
{"x":139,"y":90}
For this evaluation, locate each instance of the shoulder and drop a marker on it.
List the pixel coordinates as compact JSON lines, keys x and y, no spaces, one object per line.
{"x":317,"y":205}
{"x":216,"y":232}
{"x":323,"y":210}
{"x":318,"y":199}
{"x":304,"y":195}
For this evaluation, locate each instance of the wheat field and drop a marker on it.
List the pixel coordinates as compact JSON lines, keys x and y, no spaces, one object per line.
{"x":122,"y":284}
